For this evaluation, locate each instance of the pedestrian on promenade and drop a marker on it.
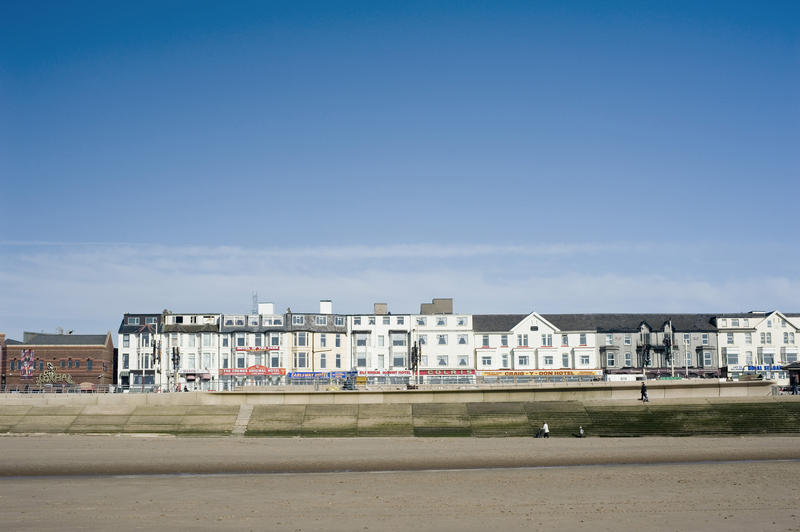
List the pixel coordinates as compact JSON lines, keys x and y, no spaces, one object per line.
{"x":644,"y":393}
{"x":546,"y":430}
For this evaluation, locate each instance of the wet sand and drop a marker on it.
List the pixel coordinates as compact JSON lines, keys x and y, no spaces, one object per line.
{"x":399,"y":483}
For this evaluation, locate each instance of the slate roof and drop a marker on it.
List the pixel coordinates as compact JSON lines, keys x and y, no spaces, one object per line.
{"x":495,"y":322}
{"x":190,"y":327}
{"x":65,"y":339}
{"x":125,"y":327}
{"x":598,"y":322}
{"x":630,"y":322}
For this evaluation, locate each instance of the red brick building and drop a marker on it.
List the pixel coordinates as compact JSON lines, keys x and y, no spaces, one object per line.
{"x":43,"y":361}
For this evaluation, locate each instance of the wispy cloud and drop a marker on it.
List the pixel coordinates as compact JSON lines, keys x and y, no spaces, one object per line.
{"x":87,"y":287}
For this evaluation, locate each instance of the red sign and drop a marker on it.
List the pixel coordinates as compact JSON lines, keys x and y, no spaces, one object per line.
{"x":252,"y":370}
{"x":447,"y":372}
{"x":372,"y":373}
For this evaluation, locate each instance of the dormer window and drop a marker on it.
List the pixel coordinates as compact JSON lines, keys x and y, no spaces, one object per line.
{"x":298,"y":320}
{"x":734,"y":323}
{"x":322,"y":320}
{"x":133,"y":320}
{"x":461,"y":321}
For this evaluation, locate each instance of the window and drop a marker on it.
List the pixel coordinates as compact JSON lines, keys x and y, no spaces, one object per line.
{"x":686,"y":339}
{"x":398,"y":339}
{"x":791,"y":357}
{"x":547,"y":340}
{"x":380,"y":361}
{"x":274,"y":339}
{"x":732,"y":357}
{"x":504,"y":340}
{"x":77,"y":363}
{"x":338,"y":321}
{"x":225,"y":361}
{"x":461,"y":321}
{"x":763,"y":338}
{"x":505,"y":360}
{"x":705,"y":338}
{"x":734,"y":322}
{"x":300,"y":339}
{"x":723,"y":322}
{"x":145,"y":340}
{"x":485,"y":340}
{"x":522,"y":339}
{"x":126,"y":340}
{"x":746,"y":322}
{"x":748,"y":338}
{"x":769,"y":323}
{"x":89,"y":364}
{"x":240,"y":361}
{"x":441,"y":321}
{"x":63,"y":364}
{"x":301,"y":359}
{"x":401,"y":320}
{"x":548,"y":360}
{"x":361,"y":340}
{"x":627,"y":339}
{"x":441,"y":360}
{"x":769,"y":337}
{"x":421,"y":320}
{"x":399,"y":360}
{"x":298,"y":320}
{"x":609,"y":339}
{"x":462,"y":339}
{"x":582,"y":339}
{"x":275,"y":360}
{"x":730,"y":338}
{"x":524,"y":360}
{"x":133,"y":320}
{"x":126,"y":361}
{"x":240,"y":337}
{"x":371,"y":320}
{"x":338,"y":360}
{"x":207,"y":340}
{"x":628,"y":360}
{"x":190,"y":340}
{"x":252,"y":321}
{"x":224,"y":341}
{"x":356,"y":320}
{"x":361,"y":360}
{"x":257,"y":342}
{"x":564,"y":340}
{"x":769,"y":359}
{"x":610,"y":358}
{"x":323,"y":340}
{"x":688,"y":358}
{"x":322,"y":320}
{"x":423,"y":339}
{"x":322,"y":361}
{"x":564,"y":360}
{"x":441,"y":339}
{"x":707,"y":358}
{"x":338,"y":340}
{"x":423,"y":361}
{"x":785,"y":337}
{"x":386,"y":320}
{"x":239,"y":320}
{"x":791,"y":337}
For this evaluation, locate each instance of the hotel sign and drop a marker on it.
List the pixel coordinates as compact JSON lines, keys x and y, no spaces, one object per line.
{"x":545,"y":373}
{"x":252,"y":371}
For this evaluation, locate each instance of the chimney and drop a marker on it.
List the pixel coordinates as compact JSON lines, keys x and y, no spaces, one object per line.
{"x":325,"y":306}
{"x":381,"y":308}
{"x":266,"y":308}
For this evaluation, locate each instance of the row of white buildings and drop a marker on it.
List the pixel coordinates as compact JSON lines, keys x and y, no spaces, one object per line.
{"x":224,"y":351}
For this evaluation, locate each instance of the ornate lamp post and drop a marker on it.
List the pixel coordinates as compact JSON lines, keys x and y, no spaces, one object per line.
{"x":176,"y":362}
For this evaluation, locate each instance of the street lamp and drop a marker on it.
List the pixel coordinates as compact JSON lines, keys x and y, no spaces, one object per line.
{"x":176,"y":362}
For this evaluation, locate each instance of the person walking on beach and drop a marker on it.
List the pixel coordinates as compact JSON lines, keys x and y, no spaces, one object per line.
{"x":644,"y":393}
{"x":546,"y":430}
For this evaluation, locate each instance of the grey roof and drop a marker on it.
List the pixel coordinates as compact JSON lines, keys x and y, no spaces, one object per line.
{"x":125,"y":327}
{"x":495,"y":322}
{"x":630,"y":322}
{"x":190,"y":327}
{"x":9,"y":341}
{"x":598,"y":322}
{"x":67,"y":339}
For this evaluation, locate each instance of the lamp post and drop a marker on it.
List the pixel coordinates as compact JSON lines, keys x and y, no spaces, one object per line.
{"x":176,"y":362}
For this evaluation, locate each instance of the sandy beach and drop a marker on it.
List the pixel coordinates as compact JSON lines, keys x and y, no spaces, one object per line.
{"x":138,"y":483}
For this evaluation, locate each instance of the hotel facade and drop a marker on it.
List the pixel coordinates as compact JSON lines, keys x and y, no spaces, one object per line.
{"x":214,"y":351}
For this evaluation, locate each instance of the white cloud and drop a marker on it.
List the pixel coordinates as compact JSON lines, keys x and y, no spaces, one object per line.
{"x":91,"y":285}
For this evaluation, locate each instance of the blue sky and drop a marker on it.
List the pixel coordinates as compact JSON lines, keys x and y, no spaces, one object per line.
{"x":517,"y":156}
